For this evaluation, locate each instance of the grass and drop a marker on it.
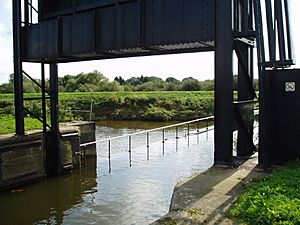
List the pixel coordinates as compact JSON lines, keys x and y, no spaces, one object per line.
{"x":272,"y":200}
{"x":8,"y":124}
{"x":102,"y":95}
{"x":153,"y":106}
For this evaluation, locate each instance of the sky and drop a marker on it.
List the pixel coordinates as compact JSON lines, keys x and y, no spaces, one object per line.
{"x":198,"y":65}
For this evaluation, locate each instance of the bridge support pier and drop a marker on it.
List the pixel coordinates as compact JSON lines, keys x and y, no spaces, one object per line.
{"x":18,"y":77}
{"x":245,"y":82}
{"x":53,"y":152}
{"x":223,"y":82}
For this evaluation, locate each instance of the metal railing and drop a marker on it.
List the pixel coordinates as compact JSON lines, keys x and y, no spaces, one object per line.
{"x":190,"y":131}
{"x":87,"y":111}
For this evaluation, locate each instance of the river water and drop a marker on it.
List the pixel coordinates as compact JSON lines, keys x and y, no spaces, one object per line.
{"x":136,"y":194}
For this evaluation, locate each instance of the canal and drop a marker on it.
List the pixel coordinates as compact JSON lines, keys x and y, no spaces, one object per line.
{"x":136,"y":193}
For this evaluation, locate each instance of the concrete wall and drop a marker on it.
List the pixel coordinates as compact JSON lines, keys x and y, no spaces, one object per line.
{"x":23,"y":158}
{"x":86,"y":134}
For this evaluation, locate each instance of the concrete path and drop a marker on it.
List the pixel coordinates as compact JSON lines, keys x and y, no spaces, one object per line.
{"x":205,"y":198}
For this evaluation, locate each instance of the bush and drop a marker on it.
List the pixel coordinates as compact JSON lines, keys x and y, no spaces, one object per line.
{"x":272,"y":200}
{"x":158,"y":105}
{"x":158,"y":114}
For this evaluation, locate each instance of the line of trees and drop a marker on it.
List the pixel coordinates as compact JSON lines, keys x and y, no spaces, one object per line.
{"x":96,"y":82}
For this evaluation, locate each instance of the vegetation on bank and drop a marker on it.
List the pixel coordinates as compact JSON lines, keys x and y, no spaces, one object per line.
{"x":152,"y":106}
{"x":271,"y":200}
{"x":97,"y":82}
{"x":8,"y":124}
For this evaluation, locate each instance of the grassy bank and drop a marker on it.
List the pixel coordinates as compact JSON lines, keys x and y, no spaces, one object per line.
{"x":154,"y":106}
{"x":8,"y":124}
{"x":272,"y":200}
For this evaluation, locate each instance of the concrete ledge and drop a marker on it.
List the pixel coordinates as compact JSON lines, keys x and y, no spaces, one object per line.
{"x":86,"y":134}
{"x":205,"y":198}
{"x":23,"y":158}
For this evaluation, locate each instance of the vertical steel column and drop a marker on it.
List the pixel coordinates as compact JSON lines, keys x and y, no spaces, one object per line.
{"x":271,"y":31}
{"x":223,"y":82}
{"x":263,"y":157}
{"x":18,"y":79}
{"x":26,"y":15}
{"x":244,"y":94}
{"x":54,"y":153}
{"x":288,"y":30}
{"x":244,"y":71}
{"x":280,"y":28}
{"x":245,"y":15}
{"x":44,"y":108}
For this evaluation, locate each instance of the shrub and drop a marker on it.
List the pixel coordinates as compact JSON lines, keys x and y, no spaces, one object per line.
{"x":272,"y":200}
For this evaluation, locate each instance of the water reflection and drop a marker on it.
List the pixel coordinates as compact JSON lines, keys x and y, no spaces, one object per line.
{"x":46,"y":202}
{"x":129,"y":195}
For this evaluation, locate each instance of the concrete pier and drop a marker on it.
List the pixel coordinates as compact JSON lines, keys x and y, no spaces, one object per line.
{"x":23,"y":158}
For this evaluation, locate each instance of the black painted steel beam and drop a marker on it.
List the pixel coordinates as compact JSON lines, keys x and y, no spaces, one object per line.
{"x":245,"y":92}
{"x":245,"y":89}
{"x":271,"y":31}
{"x":247,"y":147}
{"x":53,"y":153}
{"x":288,"y":30}
{"x":263,"y":157}
{"x":44,"y":107}
{"x":280,"y":28}
{"x":223,"y":82}
{"x":18,"y":79}
{"x":35,"y":82}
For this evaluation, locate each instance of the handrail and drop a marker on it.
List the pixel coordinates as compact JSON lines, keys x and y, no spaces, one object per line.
{"x":148,"y":131}
{"x":245,"y":102}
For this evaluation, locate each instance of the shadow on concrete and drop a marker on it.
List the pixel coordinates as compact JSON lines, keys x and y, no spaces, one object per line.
{"x":205,"y":198}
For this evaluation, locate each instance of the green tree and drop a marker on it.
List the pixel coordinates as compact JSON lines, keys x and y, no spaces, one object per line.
{"x":133,"y":81}
{"x":150,"y":86}
{"x":120,"y":80}
{"x":172,"y":80}
{"x":6,"y":88}
{"x":191,"y":84}
{"x":208,"y":85}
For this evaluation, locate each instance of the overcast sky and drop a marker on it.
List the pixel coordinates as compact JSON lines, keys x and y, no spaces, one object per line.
{"x":198,"y":65}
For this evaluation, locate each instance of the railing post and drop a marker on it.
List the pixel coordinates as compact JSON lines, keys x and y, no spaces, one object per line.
{"x":177,"y":138}
{"x":148,"y":146}
{"x":198,"y":128}
{"x":109,"y":157}
{"x":163,"y":140}
{"x":91,"y":110}
{"x":188,"y":135}
{"x":84,"y":155}
{"x":206,"y":130}
{"x":129,"y":150}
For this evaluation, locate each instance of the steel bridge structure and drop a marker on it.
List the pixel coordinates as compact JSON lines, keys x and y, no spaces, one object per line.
{"x":60,"y":31}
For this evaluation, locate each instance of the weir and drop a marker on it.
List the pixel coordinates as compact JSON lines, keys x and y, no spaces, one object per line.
{"x":53,"y":32}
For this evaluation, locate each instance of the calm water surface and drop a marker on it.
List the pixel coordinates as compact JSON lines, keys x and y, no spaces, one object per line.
{"x":139,"y":194}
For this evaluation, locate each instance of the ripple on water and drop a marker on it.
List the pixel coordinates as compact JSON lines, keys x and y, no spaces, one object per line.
{"x":129,"y":195}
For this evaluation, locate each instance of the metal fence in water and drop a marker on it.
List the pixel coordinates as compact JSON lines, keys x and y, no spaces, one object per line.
{"x":193,"y":127}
